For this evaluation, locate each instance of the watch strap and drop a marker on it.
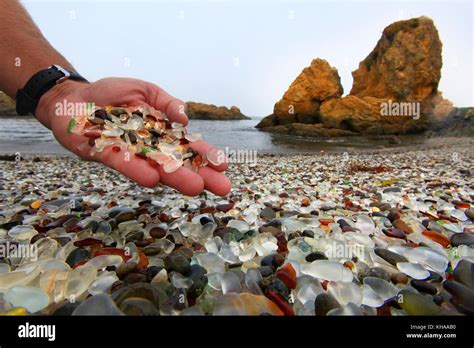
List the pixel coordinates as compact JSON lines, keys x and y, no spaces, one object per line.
{"x":27,"y":99}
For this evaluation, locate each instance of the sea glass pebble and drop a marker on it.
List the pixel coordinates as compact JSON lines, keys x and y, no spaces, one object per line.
{"x":101,"y":304}
{"x":427,"y":257}
{"x":370,"y":297}
{"x":382,"y":288}
{"x":414,"y":270}
{"x":345,"y":292}
{"x":327,"y":270}
{"x":31,"y":298}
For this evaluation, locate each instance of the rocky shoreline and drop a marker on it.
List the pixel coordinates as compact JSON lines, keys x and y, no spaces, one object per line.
{"x":335,"y":234}
{"x":201,"y":111}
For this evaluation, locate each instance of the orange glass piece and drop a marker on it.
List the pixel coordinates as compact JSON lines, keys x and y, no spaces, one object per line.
{"x":113,"y":251}
{"x":80,"y":263}
{"x":326,"y":221}
{"x":143,"y":261}
{"x":305,"y":202}
{"x":287,"y":275}
{"x":280,"y":302}
{"x":36,"y":204}
{"x":246,"y":304}
{"x":258,"y":304}
{"x":349,"y":264}
{"x":437,"y":237}
{"x":325,"y":228}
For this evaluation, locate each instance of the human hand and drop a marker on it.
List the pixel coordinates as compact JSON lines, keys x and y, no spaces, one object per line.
{"x":131,"y":92}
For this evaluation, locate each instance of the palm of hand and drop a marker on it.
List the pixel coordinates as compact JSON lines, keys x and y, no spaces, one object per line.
{"x":118,"y":92}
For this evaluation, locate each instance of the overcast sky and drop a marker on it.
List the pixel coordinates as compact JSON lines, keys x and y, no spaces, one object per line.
{"x":243,"y":53}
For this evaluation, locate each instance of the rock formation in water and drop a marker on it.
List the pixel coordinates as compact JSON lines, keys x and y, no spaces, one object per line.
{"x":395,"y":91}
{"x":7,"y":105}
{"x":301,"y":102}
{"x":201,"y":111}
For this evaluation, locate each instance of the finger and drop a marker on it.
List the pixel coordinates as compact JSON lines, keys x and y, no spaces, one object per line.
{"x":214,"y":181}
{"x":130,"y":165}
{"x":183,"y":180}
{"x":212,"y":153}
{"x":173,"y":107}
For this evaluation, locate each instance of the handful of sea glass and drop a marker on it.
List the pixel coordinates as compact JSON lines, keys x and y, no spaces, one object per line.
{"x":144,"y":131}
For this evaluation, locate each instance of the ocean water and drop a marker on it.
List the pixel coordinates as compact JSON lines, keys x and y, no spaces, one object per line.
{"x":26,"y":135}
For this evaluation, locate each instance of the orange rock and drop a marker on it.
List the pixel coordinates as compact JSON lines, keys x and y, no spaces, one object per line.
{"x":305,"y":202}
{"x":407,"y":41}
{"x":300,"y":103}
{"x":361,"y":114}
{"x":287,"y":275}
{"x":437,"y":237}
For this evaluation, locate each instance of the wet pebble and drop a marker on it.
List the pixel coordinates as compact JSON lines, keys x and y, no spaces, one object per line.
{"x":157,"y":232}
{"x":464,"y":273}
{"x":463,"y":296}
{"x":324,"y":303}
{"x":379,"y":272}
{"x":138,"y":306}
{"x":390,"y":256}
{"x":140,"y":290}
{"x":266,"y":271}
{"x":394,"y":232}
{"x":470,"y":213}
{"x":101,"y":304}
{"x":458,"y":239}
{"x":77,"y":255}
{"x":177,"y":262}
{"x":424,"y":286}
{"x":267,"y":214}
{"x":399,"y":278}
{"x":316,"y":255}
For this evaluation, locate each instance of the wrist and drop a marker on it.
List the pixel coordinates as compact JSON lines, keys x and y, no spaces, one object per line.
{"x":59,"y":93}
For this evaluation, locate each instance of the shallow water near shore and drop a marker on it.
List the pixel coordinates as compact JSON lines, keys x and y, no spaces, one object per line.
{"x":26,"y":135}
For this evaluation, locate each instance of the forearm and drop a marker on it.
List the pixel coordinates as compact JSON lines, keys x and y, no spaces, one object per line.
{"x":24,"y":49}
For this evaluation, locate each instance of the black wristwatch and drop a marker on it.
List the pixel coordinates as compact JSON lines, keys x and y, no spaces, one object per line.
{"x":27,"y":99}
